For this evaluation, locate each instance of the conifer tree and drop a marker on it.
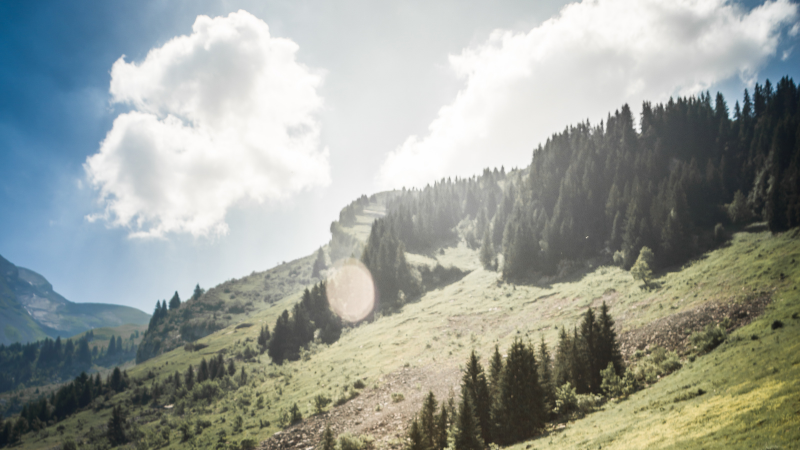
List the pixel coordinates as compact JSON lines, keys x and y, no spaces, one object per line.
{"x":443,"y":426}
{"x":175,"y":302}
{"x":428,"y":424}
{"x":608,"y":348}
{"x":474,"y":381}
{"x":115,"y":431}
{"x":415,"y":437}
{"x":328,"y":441}
{"x":263,"y":338}
{"x":198,"y":292}
{"x":521,"y":410}
{"x":546,"y":376}
{"x":202,"y":371}
{"x":466,"y":435}
{"x":487,"y":251}
{"x":188,"y":378}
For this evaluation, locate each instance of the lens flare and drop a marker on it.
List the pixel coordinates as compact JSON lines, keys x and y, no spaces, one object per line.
{"x":351,"y":291}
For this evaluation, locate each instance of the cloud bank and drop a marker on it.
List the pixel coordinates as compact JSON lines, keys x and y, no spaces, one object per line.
{"x":519,"y":88}
{"x":221,"y":116}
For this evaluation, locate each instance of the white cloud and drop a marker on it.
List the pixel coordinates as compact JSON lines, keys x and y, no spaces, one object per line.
{"x":594,"y":56}
{"x":221,"y":116}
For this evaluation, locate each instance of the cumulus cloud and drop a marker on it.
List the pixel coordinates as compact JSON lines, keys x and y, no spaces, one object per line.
{"x":221,"y":116}
{"x":593,"y":56}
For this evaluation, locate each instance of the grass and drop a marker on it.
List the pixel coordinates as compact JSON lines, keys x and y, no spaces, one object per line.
{"x":743,"y":403}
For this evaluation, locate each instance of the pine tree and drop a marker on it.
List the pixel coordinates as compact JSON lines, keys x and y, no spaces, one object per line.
{"x":319,"y":264}
{"x":328,"y":441}
{"x":115,"y":431}
{"x":467,"y":433}
{"x":546,"y":377}
{"x":521,"y":410}
{"x":188,"y":378}
{"x":263,"y":338}
{"x":428,"y":423}
{"x":202,"y":371}
{"x":232,"y":368}
{"x":474,"y":381}
{"x":589,"y":340}
{"x":175,"y":302}
{"x":487,"y":251}
{"x":415,"y":437}
{"x":443,"y":425}
{"x":112,"y":346}
{"x":608,"y":347}
{"x":198,"y":292}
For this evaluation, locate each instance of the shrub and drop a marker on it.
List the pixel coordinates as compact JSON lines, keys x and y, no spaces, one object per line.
{"x":320,"y":402}
{"x":586,"y":403}
{"x":650,"y":368}
{"x":777,"y":324}
{"x":247,"y":444}
{"x":349,"y":442}
{"x":708,"y":339}
{"x":612,"y":383}
{"x":397,"y":397}
{"x":566,"y":400}
{"x":294,"y":414}
{"x":359,"y":384}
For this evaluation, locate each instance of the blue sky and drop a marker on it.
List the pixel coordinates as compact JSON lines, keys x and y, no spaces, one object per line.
{"x":390,"y":92}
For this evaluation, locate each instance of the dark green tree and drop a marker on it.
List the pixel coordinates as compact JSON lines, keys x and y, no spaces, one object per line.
{"x":175,"y":301}
{"x":115,"y":430}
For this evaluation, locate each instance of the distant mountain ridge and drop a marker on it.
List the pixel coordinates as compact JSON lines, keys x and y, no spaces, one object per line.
{"x":31,"y":310}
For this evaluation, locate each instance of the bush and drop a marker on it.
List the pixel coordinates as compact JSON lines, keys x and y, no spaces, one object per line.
{"x":586,"y":403}
{"x":566,"y":400}
{"x":720,"y":235}
{"x":359,"y":384}
{"x":397,"y":397}
{"x":320,"y":402}
{"x":349,"y":442}
{"x":648,"y":369}
{"x":294,"y":414}
{"x":247,"y":444}
{"x":612,"y":383}
{"x":708,"y":339}
{"x":777,"y":324}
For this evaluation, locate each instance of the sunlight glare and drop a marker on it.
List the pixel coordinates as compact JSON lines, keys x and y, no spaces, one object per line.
{"x":351,"y":291}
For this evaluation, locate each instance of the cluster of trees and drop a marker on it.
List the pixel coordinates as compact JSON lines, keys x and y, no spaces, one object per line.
{"x":515,"y":399}
{"x":384,"y":256}
{"x":296,"y":330}
{"x":608,"y":188}
{"x":67,"y":400}
{"x":347,"y":216}
{"x":50,"y":361}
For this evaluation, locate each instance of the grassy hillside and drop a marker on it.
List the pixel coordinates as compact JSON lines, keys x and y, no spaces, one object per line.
{"x":751,"y":385}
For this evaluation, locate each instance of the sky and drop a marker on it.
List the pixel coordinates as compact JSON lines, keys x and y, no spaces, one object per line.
{"x":148,"y":146}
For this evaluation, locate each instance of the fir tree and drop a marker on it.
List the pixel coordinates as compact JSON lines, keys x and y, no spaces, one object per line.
{"x":115,"y":430}
{"x":474,"y":381}
{"x":521,"y":410}
{"x":415,"y":437}
{"x":467,"y":433}
{"x":175,"y":302}
{"x":328,"y":441}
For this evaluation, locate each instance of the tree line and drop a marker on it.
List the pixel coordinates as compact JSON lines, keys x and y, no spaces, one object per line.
{"x":66,"y":401}
{"x":49,"y":361}
{"x":609,"y":189}
{"x":294,"y":331}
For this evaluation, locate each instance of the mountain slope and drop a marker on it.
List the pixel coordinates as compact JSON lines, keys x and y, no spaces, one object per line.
{"x":31,"y":310}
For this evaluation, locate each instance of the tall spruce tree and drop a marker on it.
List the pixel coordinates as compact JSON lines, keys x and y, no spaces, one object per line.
{"x":521,"y":404}
{"x":467,"y":432}
{"x":474,"y":381}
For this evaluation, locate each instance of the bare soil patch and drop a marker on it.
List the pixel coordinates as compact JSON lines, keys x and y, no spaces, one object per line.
{"x":672,"y":332}
{"x":388,"y":425}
